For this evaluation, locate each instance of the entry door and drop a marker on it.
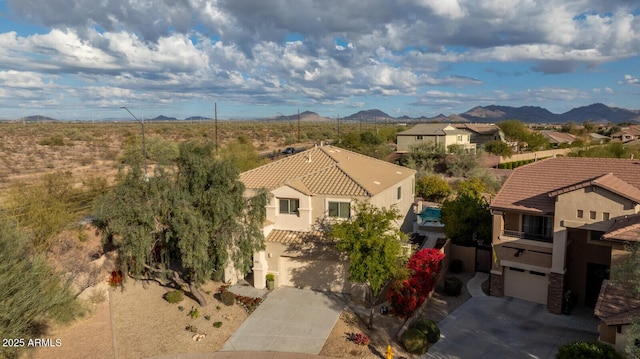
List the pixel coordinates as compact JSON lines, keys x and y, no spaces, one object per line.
{"x":483,"y":259}
{"x":596,"y":273}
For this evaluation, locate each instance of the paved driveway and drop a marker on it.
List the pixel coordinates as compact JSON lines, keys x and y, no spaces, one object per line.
{"x":289,"y":320}
{"x":490,"y":327}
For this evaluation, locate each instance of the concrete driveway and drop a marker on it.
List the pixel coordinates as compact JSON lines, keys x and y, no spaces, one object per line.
{"x":289,"y":320}
{"x":491,"y":327}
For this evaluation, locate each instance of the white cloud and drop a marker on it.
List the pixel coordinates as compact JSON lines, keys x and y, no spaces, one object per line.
{"x":630,"y":80}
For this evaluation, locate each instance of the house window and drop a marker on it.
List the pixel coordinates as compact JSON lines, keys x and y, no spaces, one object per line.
{"x":592,"y":214}
{"x":289,"y":205}
{"x":580,"y":213}
{"x":399,"y":192}
{"x":537,"y":228}
{"x":418,"y":137}
{"x":339,"y":209}
{"x":605,"y":216}
{"x":459,"y":138}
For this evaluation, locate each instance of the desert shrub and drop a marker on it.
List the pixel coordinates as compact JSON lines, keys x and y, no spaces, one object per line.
{"x":406,"y":296}
{"x":174,"y":296}
{"x":227,"y":297}
{"x":415,"y":341}
{"x":588,"y":350}
{"x":455,"y":266}
{"x":452,"y":286}
{"x":55,"y":140}
{"x":429,"y":328}
{"x":194,"y":313}
{"x":217,"y":324}
{"x":358,"y":338}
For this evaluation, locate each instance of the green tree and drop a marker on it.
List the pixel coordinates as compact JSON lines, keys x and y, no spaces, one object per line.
{"x":433,"y":188}
{"x":467,"y":218}
{"x":514,"y":130}
{"x":31,"y":293}
{"x":186,"y":226}
{"x":242,"y":154}
{"x":626,"y":274}
{"x":372,"y":242}
{"x":427,"y":157}
{"x":45,"y":208}
{"x":498,"y":148}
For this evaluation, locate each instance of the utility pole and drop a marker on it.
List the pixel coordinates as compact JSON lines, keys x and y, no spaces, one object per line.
{"x":338,"y":139}
{"x":215,"y":116}
{"x":144,"y":149}
{"x":298,"y":125}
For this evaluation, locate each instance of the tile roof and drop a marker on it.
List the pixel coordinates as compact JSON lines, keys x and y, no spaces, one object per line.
{"x":433,"y":129}
{"x":531,"y":188}
{"x":625,"y":229}
{"x":616,"y":305}
{"x":558,"y":137}
{"x":291,"y":237}
{"x":328,"y":170}
{"x":479,"y":128}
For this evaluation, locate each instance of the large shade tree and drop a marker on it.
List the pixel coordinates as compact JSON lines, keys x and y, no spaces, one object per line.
{"x":372,"y":242}
{"x":186,"y":222}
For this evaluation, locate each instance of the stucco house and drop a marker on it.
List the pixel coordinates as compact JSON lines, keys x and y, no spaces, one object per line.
{"x":552,"y":228}
{"x":617,"y":305}
{"x":440,"y":134}
{"x":557,"y":139}
{"x":481,"y":133}
{"x":310,"y":189}
{"x":627,"y":134}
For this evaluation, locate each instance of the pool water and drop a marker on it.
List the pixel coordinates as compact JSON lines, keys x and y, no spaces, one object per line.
{"x":430,"y":214}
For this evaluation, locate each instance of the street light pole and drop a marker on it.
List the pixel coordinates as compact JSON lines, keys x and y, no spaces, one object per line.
{"x":144,"y":149}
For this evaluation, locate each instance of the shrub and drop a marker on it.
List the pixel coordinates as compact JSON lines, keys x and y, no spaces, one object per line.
{"x":455,"y":266}
{"x":191,"y":328}
{"x":194,"y":313}
{"x":217,"y":324}
{"x":429,"y":328}
{"x":588,"y":350}
{"x":405,"y":297}
{"x":415,"y":341}
{"x":271,"y":276}
{"x":228,"y":298}
{"x":174,"y":296}
{"x":358,"y":338}
{"x":452,"y":286}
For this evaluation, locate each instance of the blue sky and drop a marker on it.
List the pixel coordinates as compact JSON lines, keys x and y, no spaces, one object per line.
{"x":82,"y":59}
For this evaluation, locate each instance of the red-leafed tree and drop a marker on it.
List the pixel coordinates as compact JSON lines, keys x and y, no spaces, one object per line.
{"x":406,"y":296}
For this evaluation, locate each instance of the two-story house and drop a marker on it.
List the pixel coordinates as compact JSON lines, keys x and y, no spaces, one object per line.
{"x":481,"y":133}
{"x":549,"y":219}
{"x":439,"y":134}
{"x":309,"y":189}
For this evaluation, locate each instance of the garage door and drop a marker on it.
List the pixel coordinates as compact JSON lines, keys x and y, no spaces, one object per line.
{"x":527,"y":285}
{"x":324,"y":275}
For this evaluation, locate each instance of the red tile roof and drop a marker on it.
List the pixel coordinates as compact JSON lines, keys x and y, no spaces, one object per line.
{"x":616,"y":305}
{"x":530,"y":188}
{"x":624,"y":229}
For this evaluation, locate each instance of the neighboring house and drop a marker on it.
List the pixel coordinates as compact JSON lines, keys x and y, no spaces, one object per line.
{"x":482,"y":133}
{"x":617,"y":306}
{"x":308,"y":190}
{"x":598,"y":138}
{"x":549,"y":219}
{"x":558,"y":138}
{"x":440,"y":134}
{"x":627,"y":134}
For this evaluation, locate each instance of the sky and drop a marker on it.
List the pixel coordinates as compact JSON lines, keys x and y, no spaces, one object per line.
{"x":84,"y":59}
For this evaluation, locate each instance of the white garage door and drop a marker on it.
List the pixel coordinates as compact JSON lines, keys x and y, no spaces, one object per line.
{"x":324,"y":275}
{"x":527,"y":285}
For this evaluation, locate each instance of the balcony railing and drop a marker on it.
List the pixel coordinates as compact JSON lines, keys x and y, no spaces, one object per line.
{"x":530,"y":236}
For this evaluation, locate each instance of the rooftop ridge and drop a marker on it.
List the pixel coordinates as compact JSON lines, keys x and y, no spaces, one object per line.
{"x":361,"y":155}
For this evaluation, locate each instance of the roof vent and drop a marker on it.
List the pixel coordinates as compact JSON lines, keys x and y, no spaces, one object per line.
{"x":308,"y":158}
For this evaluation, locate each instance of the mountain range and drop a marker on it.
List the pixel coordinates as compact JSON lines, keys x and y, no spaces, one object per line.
{"x":595,"y":113}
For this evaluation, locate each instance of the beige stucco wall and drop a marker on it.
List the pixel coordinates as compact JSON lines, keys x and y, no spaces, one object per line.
{"x":389,"y":197}
{"x":295,"y":222}
{"x":587,"y":199}
{"x":405,"y":142}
